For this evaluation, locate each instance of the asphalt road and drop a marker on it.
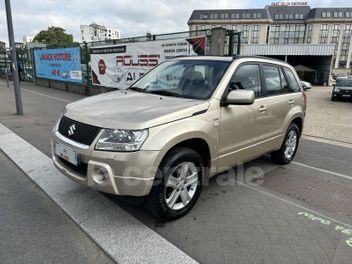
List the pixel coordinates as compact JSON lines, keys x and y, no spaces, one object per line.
{"x":33,"y":229}
{"x":270,"y":222}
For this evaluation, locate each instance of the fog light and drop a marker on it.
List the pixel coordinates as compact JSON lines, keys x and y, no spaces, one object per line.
{"x":100,"y":175}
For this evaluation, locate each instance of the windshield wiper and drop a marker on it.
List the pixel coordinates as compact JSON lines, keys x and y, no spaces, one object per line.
{"x":137,"y":89}
{"x":164,"y":92}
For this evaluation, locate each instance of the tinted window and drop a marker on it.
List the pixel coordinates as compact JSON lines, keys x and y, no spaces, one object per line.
{"x":272,"y":80}
{"x":246,"y":77}
{"x":284,"y":84}
{"x":292,"y":81}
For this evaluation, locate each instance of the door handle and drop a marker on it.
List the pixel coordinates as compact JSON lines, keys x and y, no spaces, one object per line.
{"x":262,"y":109}
{"x":291,"y":102}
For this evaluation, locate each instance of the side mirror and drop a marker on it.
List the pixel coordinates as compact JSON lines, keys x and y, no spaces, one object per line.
{"x":240,"y":97}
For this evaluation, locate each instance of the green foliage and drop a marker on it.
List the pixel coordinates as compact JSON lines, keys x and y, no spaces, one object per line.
{"x":55,"y":37}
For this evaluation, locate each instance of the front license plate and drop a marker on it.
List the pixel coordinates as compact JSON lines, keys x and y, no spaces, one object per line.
{"x":66,"y":153}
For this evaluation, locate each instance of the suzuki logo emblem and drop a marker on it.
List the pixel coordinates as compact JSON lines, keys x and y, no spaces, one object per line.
{"x":71,"y":130}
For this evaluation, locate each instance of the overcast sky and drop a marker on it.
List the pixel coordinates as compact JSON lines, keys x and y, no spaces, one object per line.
{"x":132,"y":17}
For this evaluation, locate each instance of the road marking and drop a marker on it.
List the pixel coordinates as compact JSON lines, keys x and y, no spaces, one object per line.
{"x":48,"y":96}
{"x":322,"y":170}
{"x":333,"y":142}
{"x":340,"y":229}
{"x":124,"y":238}
{"x":293,"y":204}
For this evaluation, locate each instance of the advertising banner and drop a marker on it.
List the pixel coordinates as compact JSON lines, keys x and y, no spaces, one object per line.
{"x":59,"y":64}
{"x":121,"y":65}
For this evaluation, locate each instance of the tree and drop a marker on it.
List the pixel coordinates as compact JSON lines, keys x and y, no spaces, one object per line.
{"x":55,"y":37}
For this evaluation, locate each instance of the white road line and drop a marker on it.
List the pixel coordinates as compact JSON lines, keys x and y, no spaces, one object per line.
{"x":328,"y":141}
{"x":124,"y":238}
{"x":322,"y":170}
{"x":48,"y":96}
{"x":294,"y":204}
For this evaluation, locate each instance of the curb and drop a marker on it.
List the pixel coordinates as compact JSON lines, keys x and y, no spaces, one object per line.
{"x":121,"y":236}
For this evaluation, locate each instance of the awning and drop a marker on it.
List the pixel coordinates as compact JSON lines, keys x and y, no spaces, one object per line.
{"x":301,"y":68}
{"x":288,"y":49}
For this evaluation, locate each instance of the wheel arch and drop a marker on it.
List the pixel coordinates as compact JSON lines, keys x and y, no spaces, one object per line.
{"x":299,"y":122}
{"x":197,"y":144}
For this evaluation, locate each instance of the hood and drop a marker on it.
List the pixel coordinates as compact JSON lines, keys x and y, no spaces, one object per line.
{"x":132,"y":110}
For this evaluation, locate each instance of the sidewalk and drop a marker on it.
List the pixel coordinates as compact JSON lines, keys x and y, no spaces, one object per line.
{"x":35,"y":230}
{"x":325,"y":119}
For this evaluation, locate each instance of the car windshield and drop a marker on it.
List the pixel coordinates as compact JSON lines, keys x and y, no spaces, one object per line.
{"x":196,"y":79}
{"x":344,"y":82}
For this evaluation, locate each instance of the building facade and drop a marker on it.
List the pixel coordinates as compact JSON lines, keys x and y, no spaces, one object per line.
{"x":27,"y":39}
{"x":2,"y":45}
{"x":95,"y":32}
{"x":286,"y":24}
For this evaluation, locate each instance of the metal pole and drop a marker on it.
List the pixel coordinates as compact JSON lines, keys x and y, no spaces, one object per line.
{"x":231,"y":44}
{"x":239,"y":43}
{"x":19,"y":106}
{"x":86,"y":52}
{"x":34,"y":75}
{"x":6,"y":73}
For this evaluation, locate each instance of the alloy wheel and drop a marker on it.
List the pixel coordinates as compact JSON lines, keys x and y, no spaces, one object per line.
{"x":181,"y":185}
{"x":291,"y":144}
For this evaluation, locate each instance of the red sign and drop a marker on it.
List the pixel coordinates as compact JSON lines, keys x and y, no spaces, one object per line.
{"x":289,"y":3}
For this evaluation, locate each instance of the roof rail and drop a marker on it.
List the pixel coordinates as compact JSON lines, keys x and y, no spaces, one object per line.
{"x":235,"y":57}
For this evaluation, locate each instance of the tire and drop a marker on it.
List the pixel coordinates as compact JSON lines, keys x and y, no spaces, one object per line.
{"x":285,"y":155}
{"x":159,"y":201}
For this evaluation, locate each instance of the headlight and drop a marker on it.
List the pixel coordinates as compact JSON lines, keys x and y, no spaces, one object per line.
{"x":121,"y":139}
{"x":337,"y":89}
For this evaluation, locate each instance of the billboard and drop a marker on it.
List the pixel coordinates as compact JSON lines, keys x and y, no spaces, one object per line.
{"x":59,"y":64}
{"x":121,"y":65}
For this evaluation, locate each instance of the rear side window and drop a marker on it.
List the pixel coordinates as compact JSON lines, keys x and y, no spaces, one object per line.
{"x":292,"y":81}
{"x":284,"y":84}
{"x":272,"y":80}
{"x":246,"y":77}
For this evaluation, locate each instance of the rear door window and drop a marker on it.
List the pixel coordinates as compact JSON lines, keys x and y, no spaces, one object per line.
{"x":284,"y":85}
{"x":294,"y":86}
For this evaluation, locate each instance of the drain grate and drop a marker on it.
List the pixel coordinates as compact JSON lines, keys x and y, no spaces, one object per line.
{"x":332,"y":196}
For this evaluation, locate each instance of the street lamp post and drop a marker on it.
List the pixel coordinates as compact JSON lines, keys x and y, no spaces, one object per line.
{"x":16,"y":81}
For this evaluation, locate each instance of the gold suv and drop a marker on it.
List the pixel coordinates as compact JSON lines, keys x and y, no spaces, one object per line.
{"x":187,"y":119}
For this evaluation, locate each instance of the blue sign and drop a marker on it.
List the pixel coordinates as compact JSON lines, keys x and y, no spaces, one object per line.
{"x":59,"y":64}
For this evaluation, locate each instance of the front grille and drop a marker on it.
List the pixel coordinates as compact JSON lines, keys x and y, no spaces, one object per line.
{"x":77,"y":131}
{"x":82,"y":168}
{"x":346,"y":91}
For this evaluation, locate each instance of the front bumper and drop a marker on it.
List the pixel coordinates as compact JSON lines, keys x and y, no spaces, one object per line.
{"x":124,"y":173}
{"x":342,"y":94}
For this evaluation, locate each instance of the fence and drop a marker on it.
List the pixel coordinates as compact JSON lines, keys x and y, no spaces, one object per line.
{"x":25,"y":57}
{"x":4,"y":63}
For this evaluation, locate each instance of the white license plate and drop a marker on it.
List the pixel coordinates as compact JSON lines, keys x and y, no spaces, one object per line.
{"x":66,"y":153}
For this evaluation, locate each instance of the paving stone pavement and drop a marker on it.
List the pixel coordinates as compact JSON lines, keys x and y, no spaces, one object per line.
{"x":230,"y":223}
